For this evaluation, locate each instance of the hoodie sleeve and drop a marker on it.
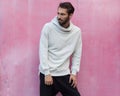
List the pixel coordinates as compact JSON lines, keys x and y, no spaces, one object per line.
{"x":43,"y":50}
{"x":76,"y":57}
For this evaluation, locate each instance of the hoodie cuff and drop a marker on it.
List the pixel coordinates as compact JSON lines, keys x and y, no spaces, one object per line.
{"x":47,"y":72}
{"x":74,"y":72}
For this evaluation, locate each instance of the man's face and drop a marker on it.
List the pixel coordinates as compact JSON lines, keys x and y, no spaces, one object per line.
{"x":62,"y":16}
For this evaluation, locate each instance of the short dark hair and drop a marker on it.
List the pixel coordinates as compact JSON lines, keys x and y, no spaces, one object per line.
{"x":68,"y":6}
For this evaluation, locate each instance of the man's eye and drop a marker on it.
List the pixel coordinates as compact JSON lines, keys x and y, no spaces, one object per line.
{"x":62,"y":14}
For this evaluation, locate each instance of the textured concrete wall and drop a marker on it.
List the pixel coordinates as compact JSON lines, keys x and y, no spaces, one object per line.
{"x":20,"y":25}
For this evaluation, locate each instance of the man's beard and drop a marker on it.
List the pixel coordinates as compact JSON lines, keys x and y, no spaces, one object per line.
{"x":63,"y":22}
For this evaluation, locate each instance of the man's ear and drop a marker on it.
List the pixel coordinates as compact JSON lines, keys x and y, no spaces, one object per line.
{"x":71,"y":15}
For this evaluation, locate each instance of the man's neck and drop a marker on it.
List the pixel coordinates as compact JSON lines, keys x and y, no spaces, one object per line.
{"x":66,"y":25}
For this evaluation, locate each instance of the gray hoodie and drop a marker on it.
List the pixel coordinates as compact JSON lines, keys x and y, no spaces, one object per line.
{"x":57,"y":45}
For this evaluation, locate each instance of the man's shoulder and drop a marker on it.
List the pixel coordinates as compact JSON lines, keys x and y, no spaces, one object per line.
{"x":47,"y":28}
{"x":47,"y":24}
{"x":76,"y":28}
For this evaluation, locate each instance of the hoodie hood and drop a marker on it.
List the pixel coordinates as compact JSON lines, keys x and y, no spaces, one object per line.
{"x":55,"y":22}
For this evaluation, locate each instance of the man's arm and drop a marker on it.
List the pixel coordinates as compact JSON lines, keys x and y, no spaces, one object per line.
{"x":76,"y":57}
{"x":43,"y":52}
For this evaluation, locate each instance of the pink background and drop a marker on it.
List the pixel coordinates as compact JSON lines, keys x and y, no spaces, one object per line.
{"x":20,"y":25}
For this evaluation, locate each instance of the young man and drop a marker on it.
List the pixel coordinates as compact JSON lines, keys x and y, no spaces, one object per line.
{"x":59,"y":41}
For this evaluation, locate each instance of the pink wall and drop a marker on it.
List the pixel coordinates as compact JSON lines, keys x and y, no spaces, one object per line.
{"x":20,"y":25}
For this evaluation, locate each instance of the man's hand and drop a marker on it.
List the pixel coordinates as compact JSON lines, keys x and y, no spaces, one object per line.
{"x":73,"y":80}
{"x":48,"y":80}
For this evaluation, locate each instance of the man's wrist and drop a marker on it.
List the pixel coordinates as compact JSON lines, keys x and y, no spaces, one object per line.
{"x":47,"y":72}
{"x":74,"y":72}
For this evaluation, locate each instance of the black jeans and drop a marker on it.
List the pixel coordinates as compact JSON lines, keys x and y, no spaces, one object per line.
{"x":60,"y":84}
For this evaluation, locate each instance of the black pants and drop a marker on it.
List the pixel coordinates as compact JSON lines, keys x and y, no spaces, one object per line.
{"x":60,"y":84}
